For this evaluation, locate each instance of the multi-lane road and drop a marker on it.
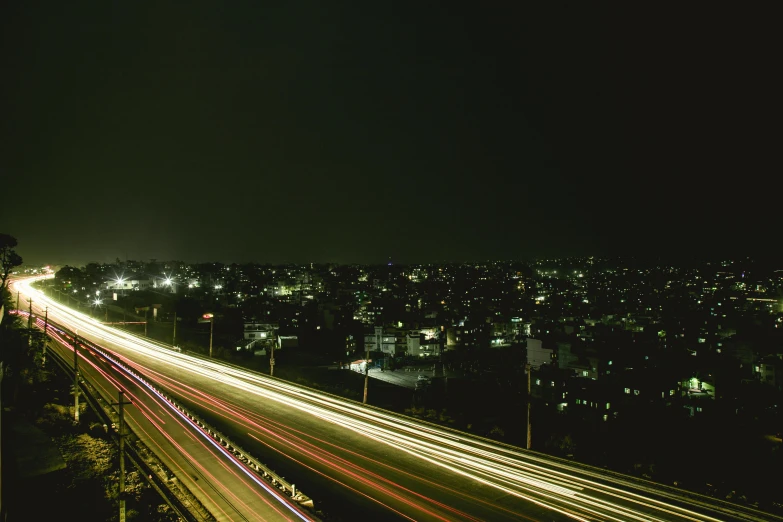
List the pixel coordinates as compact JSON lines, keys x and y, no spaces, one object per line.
{"x":227,"y":488}
{"x":357,"y":461}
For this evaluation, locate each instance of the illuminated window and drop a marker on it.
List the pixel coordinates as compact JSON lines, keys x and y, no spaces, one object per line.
{"x":538,"y":382}
{"x":636,"y":392}
{"x":628,"y":390}
{"x":607,"y":405}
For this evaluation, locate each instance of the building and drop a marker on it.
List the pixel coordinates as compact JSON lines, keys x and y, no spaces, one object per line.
{"x":590,"y":400}
{"x":537,"y":355}
{"x":769,"y":370}
{"x":260,"y":331}
{"x":565,"y":356}
{"x":128,"y":284}
{"x":287,"y":341}
{"x":257,"y":336}
{"x":426,"y":349}
{"x":549,"y":383}
{"x":381,"y":341}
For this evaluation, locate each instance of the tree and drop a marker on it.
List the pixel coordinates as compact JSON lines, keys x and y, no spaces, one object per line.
{"x":8,"y":258}
{"x":69,"y":276}
{"x":16,"y":353}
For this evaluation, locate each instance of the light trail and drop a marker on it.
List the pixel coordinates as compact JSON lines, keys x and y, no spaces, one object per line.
{"x":197,"y":435}
{"x":574,"y":491}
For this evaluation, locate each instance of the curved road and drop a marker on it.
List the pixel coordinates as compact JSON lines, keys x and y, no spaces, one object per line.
{"x":225,"y":485}
{"x":355,"y":460}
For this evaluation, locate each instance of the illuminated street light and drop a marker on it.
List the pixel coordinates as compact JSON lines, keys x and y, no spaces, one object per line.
{"x":97,"y":302}
{"x":168,"y":281}
{"x":211,"y":319}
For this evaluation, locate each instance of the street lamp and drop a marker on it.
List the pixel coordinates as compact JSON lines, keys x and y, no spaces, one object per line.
{"x":119,"y":283}
{"x":98,"y":302}
{"x":168,"y":281}
{"x":211,"y":319}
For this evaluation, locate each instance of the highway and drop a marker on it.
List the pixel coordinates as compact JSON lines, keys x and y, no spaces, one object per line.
{"x":226,"y":487}
{"x":357,"y":461}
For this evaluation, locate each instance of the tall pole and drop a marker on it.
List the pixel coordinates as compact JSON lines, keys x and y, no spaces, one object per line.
{"x":272,"y":360}
{"x":174,"y":339}
{"x":366,"y":373}
{"x":211,"y":328}
{"x":441,"y":342}
{"x":46,"y":328}
{"x":17,"y":299}
{"x":30,"y":323}
{"x":145,"y":322}
{"x":529,"y":434}
{"x":121,"y":431}
{"x":76,"y":377}
{"x":441,"y":346}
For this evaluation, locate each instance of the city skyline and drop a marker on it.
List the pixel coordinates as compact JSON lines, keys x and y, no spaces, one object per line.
{"x":357,"y":134}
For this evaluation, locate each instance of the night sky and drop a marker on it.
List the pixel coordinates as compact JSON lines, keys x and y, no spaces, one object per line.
{"x":357,"y":132}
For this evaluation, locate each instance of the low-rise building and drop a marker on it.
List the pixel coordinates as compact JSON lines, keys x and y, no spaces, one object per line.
{"x":381,"y":340}
{"x":769,"y":370}
{"x":537,"y":355}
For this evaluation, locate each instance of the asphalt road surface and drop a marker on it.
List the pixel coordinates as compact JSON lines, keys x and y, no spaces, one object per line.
{"x":359,"y":462}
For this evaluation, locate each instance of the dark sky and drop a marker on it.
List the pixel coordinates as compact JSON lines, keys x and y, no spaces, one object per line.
{"x":354,"y":132}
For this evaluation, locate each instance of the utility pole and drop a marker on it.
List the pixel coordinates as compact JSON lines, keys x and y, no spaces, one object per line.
{"x":30,"y":323}
{"x":174,"y":339}
{"x":272,"y":360}
{"x":366,"y":373}
{"x":211,"y":329}
{"x":145,"y":321}
{"x":17,"y":299}
{"x":441,"y":342}
{"x":121,"y":431}
{"x":441,"y":346}
{"x":529,"y":434}
{"x":46,"y":328}
{"x":75,"y":377}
